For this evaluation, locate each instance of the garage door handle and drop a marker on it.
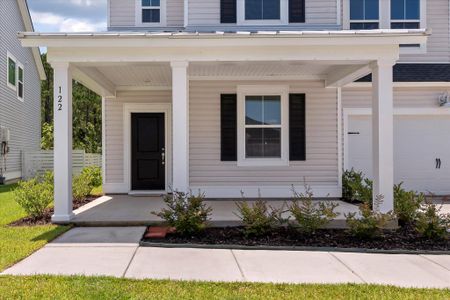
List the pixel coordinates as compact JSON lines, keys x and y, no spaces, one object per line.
{"x":438,"y":163}
{"x":353,"y":132}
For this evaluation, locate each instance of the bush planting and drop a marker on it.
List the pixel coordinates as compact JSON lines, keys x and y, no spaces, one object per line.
{"x":431,"y":223}
{"x":356,"y":187}
{"x":406,"y":205}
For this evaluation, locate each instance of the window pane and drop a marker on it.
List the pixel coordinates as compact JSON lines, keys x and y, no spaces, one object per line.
{"x":254,"y":110}
{"x":263,"y":142}
{"x":150,"y":15}
{"x":150,"y":2}
{"x":11,"y":72}
{"x":20,"y":90}
{"x":272,"y":110}
{"x":366,"y":26}
{"x":371,"y":10}
{"x":271,"y":9}
{"x":412,"y":9}
{"x":20,"y":74}
{"x":405,"y":25}
{"x":253,"y":9}
{"x":397,"y":9}
{"x":356,"y":9}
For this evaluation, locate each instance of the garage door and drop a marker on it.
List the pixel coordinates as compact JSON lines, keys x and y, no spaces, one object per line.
{"x":421,"y":151}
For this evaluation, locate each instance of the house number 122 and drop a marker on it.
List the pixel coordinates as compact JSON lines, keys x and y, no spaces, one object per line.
{"x":59,"y":100}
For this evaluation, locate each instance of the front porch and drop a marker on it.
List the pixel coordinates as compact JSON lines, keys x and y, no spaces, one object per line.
{"x":125,"y":210}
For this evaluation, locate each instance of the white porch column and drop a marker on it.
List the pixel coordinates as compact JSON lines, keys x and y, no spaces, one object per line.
{"x":62,"y":105}
{"x":180,"y":128}
{"x":382,"y":134}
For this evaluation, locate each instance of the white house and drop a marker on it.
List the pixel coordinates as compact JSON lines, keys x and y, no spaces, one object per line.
{"x":258,"y":95}
{"x":21,"y":72}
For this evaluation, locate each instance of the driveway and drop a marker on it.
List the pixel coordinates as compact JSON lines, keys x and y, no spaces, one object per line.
{"x":114,"y":251}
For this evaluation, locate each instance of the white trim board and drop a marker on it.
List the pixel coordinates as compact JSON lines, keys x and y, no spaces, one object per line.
{"x":347,"y":112}
{"x":128,"y":109}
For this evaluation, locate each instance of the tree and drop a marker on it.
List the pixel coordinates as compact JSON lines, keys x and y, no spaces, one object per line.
{"x":87,"y":115}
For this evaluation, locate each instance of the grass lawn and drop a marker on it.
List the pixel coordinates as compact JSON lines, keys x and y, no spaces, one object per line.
{"x":45,"y":287}
{"x":17,"y":243}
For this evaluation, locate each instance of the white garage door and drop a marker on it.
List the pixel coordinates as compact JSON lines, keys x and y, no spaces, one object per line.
{"x":421,"y":151}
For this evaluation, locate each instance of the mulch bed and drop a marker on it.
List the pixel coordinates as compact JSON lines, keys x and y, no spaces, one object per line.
{"x":401,"y":239}
{"x":47,"y":217}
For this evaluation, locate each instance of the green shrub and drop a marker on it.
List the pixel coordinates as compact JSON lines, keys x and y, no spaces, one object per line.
{"x":406,"y":204}
{"x":431,"y":223}
{"x":356,"y":187}
{"x":368,"y":224}
{"x":310,"y":215}
{"x":258,"y":218}
{"x":35,"y":195}
{"x":95,"y":174}
{"x":81,"y":186}
{"x":186,"y":212}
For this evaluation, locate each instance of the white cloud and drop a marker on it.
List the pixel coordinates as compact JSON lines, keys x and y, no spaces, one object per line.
{"x":87,"y":2}
{"x":60,"y":23}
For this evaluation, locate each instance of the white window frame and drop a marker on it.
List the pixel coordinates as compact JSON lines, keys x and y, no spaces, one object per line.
{"x":8,"y":57}
{"x":284,"y":15}
{"x":263,"y":90}
{"x":162,"y":16}
{"x":19,"y":65}
{"x":348,"y":21}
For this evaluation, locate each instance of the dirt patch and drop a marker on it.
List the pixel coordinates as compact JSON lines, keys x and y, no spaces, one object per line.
{"x":401,"y":239}
{"x":47,"y":217}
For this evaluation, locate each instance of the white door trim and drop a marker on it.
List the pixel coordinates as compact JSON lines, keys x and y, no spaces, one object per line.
{"x":128,"y":109}
{"x":431,"y":111}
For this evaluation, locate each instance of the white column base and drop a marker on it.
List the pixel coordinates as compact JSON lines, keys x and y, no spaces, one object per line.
{"x":62,"y":219}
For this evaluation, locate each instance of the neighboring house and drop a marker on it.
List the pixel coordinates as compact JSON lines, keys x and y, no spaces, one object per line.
{"x":21,"y":72}
{"x":225,"y":96}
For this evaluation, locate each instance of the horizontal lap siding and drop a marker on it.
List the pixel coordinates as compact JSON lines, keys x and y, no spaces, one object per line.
{"x":22,"y":118}
{"x":206,"y":169}
{"x":122,"y":13}
{"x":114,"y":128}
{"x":175,"y":12}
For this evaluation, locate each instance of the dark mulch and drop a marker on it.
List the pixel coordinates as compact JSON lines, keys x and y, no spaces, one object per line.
{"x":47,"y":217}
{"x":401,"y":239}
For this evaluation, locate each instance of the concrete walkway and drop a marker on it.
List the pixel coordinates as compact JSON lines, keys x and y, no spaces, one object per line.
{"x":115,"y":252}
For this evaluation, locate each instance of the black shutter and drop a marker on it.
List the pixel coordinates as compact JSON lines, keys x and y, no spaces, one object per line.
{"x":297,"y":128}
{"x":296,"y":11}
{"x":228,"y":11}
{"x":228,"y":127}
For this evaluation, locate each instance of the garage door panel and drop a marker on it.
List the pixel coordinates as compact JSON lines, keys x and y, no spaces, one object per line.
{"x":418,"y":142}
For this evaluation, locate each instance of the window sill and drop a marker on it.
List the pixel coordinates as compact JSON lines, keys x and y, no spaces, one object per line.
{"x":261,"y":162}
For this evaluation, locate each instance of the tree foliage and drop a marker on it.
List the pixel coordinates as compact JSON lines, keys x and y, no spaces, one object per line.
{"x":87,"y":115}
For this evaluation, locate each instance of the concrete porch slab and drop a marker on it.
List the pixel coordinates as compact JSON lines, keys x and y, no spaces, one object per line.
{"x":293,"y":267}
{"x":184,"y":264}
{"x":397,"y":269}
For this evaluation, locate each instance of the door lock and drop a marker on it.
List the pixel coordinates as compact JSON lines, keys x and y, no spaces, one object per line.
{"x":163,"y":156}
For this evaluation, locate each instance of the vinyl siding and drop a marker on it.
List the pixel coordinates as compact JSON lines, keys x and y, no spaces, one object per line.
{"x":175,"y":12}
{"x":205,"y":167}
{"x":121,"y":13}
{"x":22,"y":118}
{"x":114,"y":126}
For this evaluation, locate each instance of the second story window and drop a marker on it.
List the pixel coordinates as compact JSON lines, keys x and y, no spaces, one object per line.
{"x":151,"y":11}
{"x":262,"y":9}
{"x":364,"y":14}
{"x":405,"y":14}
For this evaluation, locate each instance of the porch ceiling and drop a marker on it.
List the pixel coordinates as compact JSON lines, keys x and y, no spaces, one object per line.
{"x":148,"y":75}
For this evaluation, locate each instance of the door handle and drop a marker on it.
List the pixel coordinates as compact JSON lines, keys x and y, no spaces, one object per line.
{"x":163,"y":157}
{"x":438,"y":163}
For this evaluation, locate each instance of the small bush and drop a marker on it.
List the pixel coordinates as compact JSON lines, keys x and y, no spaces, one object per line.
{"x":95,"y":174}
{"x":35,"y":195}
{"x":406,"y":204}
{"x":370,"y":223}
{"x":431,"y":223}
{"x":258,"y":218}
{"x":81,"y":186}
{"x":310,"y":216}
{"x":186,"y":212}
{"x":356,"y":187}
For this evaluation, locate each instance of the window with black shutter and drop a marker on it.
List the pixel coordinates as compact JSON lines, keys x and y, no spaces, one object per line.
{"x":228,"y":124}
{"x":228,"y":11}
{"x":297,"y":127}
{"x":296,"y":11}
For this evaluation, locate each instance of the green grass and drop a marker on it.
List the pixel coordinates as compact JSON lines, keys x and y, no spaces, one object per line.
{"x":46,"y":287}
{"x":17,"y":243}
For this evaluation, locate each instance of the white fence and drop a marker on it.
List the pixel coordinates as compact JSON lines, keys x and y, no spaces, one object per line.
{"x":38,"y":162}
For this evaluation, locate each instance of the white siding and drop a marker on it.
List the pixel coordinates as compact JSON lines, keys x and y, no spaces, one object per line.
{"x":206,"y":169}
{"x":175,"y":12}
{"x":22,"y":118}
{"x":122,"y":13}
{"x":114,"y":128}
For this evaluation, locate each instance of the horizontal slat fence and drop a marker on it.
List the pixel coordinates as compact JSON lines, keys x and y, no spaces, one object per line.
{"x":37,"y":163}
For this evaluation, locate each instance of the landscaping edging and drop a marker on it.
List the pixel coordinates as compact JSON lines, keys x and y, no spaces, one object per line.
{"x":290,"y":248}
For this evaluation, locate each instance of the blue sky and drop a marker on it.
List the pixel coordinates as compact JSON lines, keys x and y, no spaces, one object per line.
{"x":68,"y":15}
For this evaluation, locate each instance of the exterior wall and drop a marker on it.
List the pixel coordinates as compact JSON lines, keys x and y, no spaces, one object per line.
{"x":175,"y":12}
{"x":22,"y":118}
{"x":206,"y":169}
{"x":114,"y":125}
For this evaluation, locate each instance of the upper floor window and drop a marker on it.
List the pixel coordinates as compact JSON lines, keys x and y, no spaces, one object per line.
{"x":405,"y":14}
{"x":262,"y":9}
{"x":15,"y":75}
{"x":151,"y":11}
{"x":364,"y":14}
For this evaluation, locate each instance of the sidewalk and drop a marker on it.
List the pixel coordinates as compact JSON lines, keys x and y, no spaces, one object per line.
{"x":115,"y":252}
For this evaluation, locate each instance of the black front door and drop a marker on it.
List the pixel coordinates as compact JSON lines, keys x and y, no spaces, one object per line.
{"x":148,"y":151}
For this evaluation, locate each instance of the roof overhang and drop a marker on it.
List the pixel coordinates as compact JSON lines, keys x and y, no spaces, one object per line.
{"x":26,"y":17}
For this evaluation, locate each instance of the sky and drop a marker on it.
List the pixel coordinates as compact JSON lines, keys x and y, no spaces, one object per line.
{"x":68,"y":15}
